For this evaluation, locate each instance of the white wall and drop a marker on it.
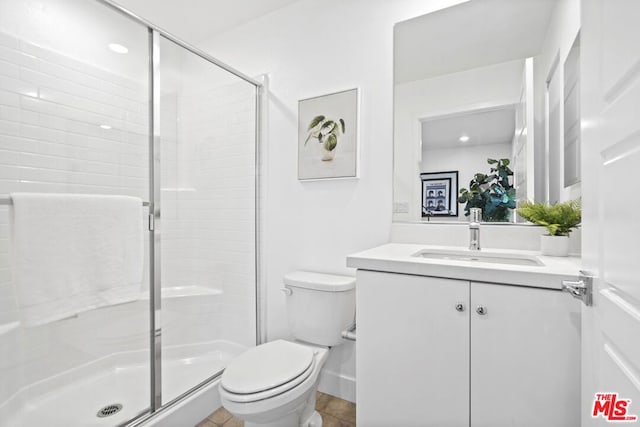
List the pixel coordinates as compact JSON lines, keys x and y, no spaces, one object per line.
{"x":494,"y":85}
{"x":467,"y":161}
{"x":311,"y":48}
{"x":561,"y":34}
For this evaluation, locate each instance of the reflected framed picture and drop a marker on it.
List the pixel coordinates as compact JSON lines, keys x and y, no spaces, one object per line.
{"x":439,"y":193}
{"x":328,"y":136}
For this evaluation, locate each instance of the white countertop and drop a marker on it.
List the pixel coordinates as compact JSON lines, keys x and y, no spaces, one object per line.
{"x":397,"y":258}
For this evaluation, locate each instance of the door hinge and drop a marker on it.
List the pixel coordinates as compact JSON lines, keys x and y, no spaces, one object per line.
{"x":581,"y":289}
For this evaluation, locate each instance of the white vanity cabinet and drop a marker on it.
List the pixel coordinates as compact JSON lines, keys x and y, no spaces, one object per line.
{"x":448,"y":352}
{"x":412,"y":351}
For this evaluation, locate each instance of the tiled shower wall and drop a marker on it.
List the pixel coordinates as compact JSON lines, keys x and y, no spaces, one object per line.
{"x":51,"y":109}
{"x":209,"y":209}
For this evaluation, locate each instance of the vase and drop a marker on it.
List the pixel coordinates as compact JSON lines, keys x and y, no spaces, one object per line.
{"x":554,"y":245}
{"x":328,"y":155}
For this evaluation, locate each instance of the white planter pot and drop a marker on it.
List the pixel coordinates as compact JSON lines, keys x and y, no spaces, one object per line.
{"x":554,"y":245}
{"x":328,"y":155}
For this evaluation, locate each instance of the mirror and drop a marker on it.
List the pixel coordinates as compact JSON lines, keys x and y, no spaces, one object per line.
{"x":481,"y":81}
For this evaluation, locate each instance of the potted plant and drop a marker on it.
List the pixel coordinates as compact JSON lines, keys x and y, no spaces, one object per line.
{"x":326,"y":131}
{"x":559,"y":220}
{"x":492,"y":193}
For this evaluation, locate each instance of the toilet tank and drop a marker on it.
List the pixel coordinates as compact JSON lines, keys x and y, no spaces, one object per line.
{"x":319,"y":306}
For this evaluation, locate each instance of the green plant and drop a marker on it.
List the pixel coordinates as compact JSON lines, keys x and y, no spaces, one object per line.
{"x":492,"y":193}
{"x":326,"y":131}
{"x":559,"y":219}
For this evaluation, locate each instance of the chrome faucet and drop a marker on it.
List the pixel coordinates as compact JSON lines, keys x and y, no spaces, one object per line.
{"x":474,"y":228}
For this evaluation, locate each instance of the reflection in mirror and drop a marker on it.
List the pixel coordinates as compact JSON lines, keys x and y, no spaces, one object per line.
{"x":464,"y":141}
{"x":471,"y":84}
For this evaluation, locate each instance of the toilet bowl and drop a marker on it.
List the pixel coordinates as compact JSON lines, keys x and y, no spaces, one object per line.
{"x":279,"y":392}
{"x":274,"y":384}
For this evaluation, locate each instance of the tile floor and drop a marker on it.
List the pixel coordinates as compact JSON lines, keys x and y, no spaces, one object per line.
{"x":335,"y":413}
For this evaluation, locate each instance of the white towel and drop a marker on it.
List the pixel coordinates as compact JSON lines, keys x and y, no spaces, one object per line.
{"x":74,"y":252}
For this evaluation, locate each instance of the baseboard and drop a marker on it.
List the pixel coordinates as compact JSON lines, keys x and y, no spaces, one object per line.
{"x":338,"y":385}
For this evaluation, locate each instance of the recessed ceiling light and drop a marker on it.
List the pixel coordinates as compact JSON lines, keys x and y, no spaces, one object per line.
{"x":118,"y":48}
{"x":464,"y":138}
{"x":105,"y":127}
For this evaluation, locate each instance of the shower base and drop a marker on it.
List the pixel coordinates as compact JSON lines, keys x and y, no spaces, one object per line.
{"x":75,"y":398}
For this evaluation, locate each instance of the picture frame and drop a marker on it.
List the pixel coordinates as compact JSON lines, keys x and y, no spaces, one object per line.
{"x":328,"y":136}
{"x":439,"y":193}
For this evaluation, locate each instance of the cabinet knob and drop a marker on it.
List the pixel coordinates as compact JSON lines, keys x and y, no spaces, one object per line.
{"x":481,"y":310}
{"x":460,"y":306}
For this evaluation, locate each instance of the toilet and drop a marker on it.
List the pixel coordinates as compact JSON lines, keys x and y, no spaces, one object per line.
{"x":274,"y":384}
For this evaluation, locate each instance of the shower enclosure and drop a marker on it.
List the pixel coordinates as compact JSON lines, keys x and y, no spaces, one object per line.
{"x":95,"y":100}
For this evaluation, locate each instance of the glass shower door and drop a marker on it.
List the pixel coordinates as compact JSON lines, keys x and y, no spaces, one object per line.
{"x":74,"y":118}
{"x":207,"y":125}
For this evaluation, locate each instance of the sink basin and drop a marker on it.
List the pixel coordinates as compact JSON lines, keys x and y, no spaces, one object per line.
{"x":479,"y":256}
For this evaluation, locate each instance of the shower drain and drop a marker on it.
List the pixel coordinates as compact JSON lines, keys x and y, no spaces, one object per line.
{"x":107,"y":411}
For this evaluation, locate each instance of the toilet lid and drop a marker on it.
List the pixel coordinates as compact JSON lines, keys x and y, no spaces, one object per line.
{"x":266,"y":366}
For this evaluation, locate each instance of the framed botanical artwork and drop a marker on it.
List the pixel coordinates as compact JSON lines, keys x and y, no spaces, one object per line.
{"x":328,"y":136}
{"x":439,"y":193}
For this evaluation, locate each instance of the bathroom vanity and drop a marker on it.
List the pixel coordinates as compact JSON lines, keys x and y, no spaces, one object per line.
{"x":452,"y":337}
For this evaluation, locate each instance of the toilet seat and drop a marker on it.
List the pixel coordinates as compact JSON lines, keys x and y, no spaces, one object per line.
{"x":274,"y":404}
{"x":267,"y":370}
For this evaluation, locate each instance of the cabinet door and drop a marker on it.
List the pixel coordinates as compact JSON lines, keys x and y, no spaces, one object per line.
{"x":412,"y":354}
{"x":525,"y":357}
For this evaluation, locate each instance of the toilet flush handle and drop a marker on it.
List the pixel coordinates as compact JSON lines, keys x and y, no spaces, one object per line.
{"x":286,"y":291}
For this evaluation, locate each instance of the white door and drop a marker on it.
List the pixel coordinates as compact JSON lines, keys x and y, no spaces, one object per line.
{"x":610,"y":67}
